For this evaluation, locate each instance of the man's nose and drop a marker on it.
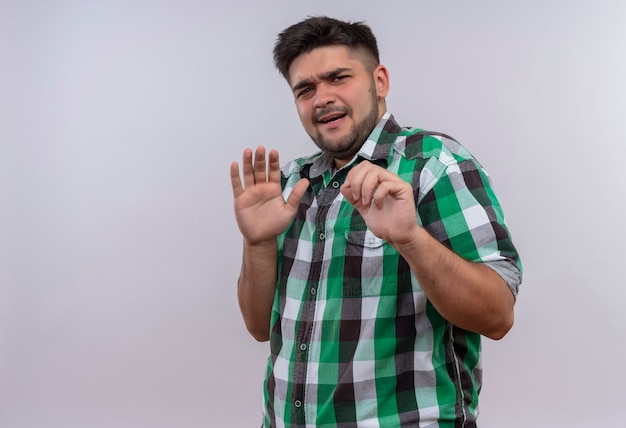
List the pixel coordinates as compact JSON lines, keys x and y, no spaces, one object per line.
{"x":324,"y":95}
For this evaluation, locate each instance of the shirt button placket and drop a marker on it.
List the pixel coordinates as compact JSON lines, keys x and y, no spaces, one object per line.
{"x":322,"y":237}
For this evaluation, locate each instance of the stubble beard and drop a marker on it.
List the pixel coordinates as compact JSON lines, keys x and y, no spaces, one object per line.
{"x":346,"y":147}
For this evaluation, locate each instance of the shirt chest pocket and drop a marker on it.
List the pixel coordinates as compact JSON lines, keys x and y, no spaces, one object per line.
{"x":363,"y":240}
{"x":367,"y":265}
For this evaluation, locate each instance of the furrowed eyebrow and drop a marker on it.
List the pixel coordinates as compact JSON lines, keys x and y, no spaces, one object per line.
{"x":301,"y":85}
{"x":329,"y":75}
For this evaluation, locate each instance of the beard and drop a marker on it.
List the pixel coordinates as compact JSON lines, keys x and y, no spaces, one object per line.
{"x":347,"y":146}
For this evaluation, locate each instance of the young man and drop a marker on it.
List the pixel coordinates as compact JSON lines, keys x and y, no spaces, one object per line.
{"x":375,"y":265}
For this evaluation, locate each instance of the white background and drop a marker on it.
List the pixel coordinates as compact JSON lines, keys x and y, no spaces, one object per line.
{"x":118,"y":248}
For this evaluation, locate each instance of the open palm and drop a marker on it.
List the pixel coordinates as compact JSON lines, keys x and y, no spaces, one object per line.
{"x":260,"y":209}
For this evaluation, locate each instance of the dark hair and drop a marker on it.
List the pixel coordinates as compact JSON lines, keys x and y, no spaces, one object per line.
{"x":320,"y":31}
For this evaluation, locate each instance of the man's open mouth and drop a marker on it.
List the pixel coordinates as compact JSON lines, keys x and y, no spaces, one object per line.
{"x":331,"y":117}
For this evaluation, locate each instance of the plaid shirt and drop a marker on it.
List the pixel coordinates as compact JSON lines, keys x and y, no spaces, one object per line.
{"x":354,"y":340}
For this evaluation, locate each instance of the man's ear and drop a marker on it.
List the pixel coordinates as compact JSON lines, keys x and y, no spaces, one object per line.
{"x":381,"y":80}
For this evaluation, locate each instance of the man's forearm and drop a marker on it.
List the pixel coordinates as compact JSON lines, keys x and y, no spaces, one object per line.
{"x":469,"y":295}
{"x":256,"y":287}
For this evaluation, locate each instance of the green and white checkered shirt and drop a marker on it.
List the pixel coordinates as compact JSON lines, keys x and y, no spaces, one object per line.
{"x":354,"y":340}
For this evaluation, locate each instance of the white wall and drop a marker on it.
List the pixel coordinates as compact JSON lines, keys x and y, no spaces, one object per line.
{"x":118,"y":248}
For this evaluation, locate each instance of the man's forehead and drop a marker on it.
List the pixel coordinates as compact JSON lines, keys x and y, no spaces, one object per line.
{"x":319,"y":62}
{"x":316,"y":77}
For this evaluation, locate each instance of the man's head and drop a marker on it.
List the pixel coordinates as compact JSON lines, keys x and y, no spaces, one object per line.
{"x":321,"y":31}
{"x":339,"y":87}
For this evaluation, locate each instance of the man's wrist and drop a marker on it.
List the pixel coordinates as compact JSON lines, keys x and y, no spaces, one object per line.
{"x":260,"y":244}
{"x":415,"y":240}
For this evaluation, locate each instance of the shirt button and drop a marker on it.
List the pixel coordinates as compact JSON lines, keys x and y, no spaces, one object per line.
{"x":303,"y":347}
{"x":297,"y":403}
{"x":335,"y":184}
{"x":322,"y":236}
{"x":313,"y":291}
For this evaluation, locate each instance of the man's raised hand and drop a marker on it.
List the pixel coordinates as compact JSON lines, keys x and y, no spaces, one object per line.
{"x":260,"y":209}
{"x":384,"y":200}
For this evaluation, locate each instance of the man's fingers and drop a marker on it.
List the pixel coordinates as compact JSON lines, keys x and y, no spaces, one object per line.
{"x":368,"y":184}
{"x":354,"y":181}
{"x":297,"y":193}
{"x":254,"y":169}
{"x":380,"y":193}
{"x":399,"y":190}
{"x":274,"y":167}
{"x":260,"y":172}
{"x":371,"y":182}
{"x":363,"y":181}
{"x":246,"y":166}
{"x":235,"y":179}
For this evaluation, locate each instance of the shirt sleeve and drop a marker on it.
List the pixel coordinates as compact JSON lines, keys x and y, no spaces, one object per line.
{"x":460,"y":209}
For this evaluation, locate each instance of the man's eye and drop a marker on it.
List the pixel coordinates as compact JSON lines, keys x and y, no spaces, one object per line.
{"x":304,"y":91}
{"x":340,"y":77}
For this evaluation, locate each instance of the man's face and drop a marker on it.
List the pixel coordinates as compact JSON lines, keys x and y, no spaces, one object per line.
{"x":339,"y":99}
